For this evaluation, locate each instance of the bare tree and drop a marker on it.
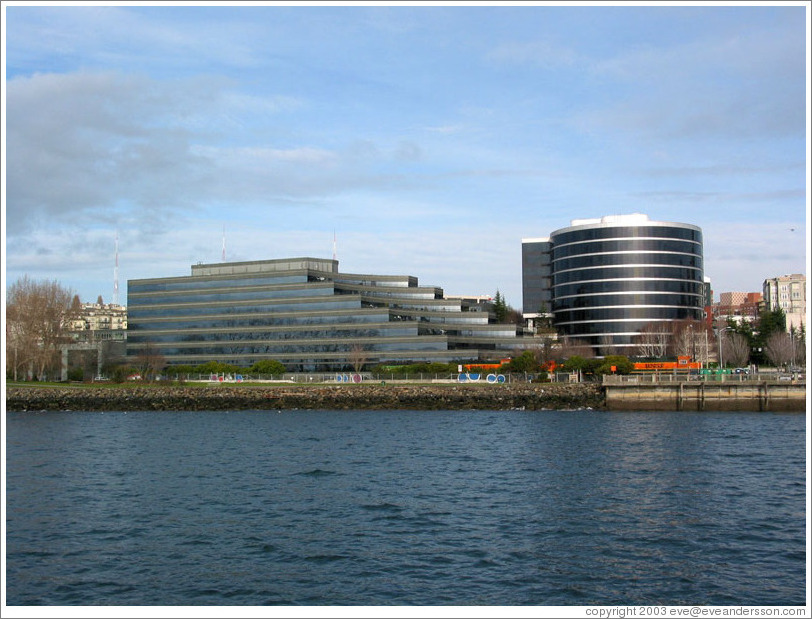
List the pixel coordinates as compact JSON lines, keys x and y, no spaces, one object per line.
{"x":357,"y":356}
{"x":652,"y":341}
{"x":778,"y":348}
{"x":608,"y":346}
{"x":798,"y":345}
{"x":150,"y":362}
{"x":38,"y":317}
{"x":18,"y":345}
{"x":690,"y":338}
{"x":543,"y":348}
{"x":569,"y":347}
{"x":735,"y":349}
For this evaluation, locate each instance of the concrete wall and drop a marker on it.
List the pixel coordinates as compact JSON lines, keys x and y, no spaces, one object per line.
{"x":702,"y":396}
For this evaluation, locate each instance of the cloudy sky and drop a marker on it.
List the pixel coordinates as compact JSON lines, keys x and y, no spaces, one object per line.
{"x":426,"y":140}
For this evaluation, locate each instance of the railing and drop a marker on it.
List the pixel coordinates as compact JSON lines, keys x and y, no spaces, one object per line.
{"x":643,"y":379}
{"x":370,"y":377}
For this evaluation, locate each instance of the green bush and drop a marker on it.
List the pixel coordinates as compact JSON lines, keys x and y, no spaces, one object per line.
{"x":268,"y":366}
{"x":621,"y":364}
{"x":526,"y":362}
{"x":120,"y":373}
{"x":217,"y":367}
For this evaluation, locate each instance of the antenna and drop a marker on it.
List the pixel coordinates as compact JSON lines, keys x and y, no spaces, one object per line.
{"x":115,"y":275}
{"x":224,"y":242}
{"x":334,"y":244}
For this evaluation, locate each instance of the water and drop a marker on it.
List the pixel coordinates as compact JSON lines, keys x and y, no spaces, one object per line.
{"x":405,"y":508}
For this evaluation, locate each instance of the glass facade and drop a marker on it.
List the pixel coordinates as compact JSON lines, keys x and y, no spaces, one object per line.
{"x":609,"y":278}
{"x":305,"y":314}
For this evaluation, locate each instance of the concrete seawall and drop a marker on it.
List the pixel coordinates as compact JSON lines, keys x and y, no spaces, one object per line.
{"x":702,"y":396}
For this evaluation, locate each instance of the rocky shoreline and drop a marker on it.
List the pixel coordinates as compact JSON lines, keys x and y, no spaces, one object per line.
{"x":540,"y":396}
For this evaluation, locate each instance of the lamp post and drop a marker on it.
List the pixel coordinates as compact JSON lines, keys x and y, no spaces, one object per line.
{"x":705,"y":357}
{"x":792,"y":345}
{"x":719,"y":333}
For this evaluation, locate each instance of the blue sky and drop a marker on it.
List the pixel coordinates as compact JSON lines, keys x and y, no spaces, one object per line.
{"x":428,"y":140}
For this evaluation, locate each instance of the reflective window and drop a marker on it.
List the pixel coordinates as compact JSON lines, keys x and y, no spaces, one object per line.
{"x":229,"y":296}
{"x":592,"y":260}
{"x":659,"y":272}
{"x":574,"y":329}
{"x":202,"y":283}
{"x":630,"y":285}
{"x":240,"y":309}
{"x":629,"y":232}
{"x":642,"y":313}
{"x":636,"y":245}
{"x":259,"y":320}
{"x":623,"y":300}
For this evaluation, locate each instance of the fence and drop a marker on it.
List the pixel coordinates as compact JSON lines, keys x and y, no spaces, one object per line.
{"x":365,"y":377}
{"x":660,"y":378}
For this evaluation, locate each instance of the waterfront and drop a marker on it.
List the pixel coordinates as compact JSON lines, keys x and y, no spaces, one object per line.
{"x":482,"y":507}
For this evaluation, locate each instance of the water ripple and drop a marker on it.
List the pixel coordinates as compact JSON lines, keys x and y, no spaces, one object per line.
{"x":405,"y":508}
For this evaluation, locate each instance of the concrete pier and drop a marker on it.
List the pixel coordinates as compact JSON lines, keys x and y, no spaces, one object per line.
{"x":706,"y":396}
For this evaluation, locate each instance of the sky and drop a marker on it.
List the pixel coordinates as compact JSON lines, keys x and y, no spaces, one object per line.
{"x":415,"y":139}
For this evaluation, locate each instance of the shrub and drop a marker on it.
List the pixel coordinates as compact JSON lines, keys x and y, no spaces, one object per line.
{"x":268,"y":366}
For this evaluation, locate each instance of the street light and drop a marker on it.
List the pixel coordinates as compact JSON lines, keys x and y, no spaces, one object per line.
{"x":719,"y":332}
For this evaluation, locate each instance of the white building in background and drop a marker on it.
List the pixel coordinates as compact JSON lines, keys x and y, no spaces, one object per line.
{"x":787,"y":292}
{"x":100,"y":317}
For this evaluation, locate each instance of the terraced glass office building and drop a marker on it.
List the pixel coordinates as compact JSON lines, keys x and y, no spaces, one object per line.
{"x":604,"y":280}
{"x":309,"y":316}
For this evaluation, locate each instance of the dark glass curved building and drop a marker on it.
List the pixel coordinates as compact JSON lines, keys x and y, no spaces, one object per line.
{"x":604,"y":280}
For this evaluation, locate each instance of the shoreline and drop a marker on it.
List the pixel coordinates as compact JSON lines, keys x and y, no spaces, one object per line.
{"x":384,"y":396}
{"x":761,"y":396}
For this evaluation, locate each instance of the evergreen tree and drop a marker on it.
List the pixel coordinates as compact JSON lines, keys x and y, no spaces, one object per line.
{"x":769,"y":322}
{"x":500,"y":308}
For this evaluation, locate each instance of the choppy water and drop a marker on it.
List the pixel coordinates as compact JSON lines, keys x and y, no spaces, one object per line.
{"x":405,"y":508}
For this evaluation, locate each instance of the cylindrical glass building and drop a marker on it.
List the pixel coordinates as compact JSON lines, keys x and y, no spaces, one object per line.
{"x":613,"y":276}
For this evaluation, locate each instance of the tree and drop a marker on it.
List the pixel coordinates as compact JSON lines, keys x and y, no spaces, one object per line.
{"x":735,"y":349}
{"x":216,"y":367}
{"x":526,"y":362}
{"x":779,"y":348}
{"x":798,"y":345}
{"x":357,"y":356}
{"x":689,"y":338}
{"x":150,"y":362}
{"x":569,"y":348}
{"x":769,"y":322}
{"x":652,"y":341}
{"x":267,"y":366}
{"x":500,"y":308}
{"x":38,"y":316}
{"x":587,"y":367}
{"x":621,"y":364}
{"x":608,"y":346}
{"x":544,"y":323}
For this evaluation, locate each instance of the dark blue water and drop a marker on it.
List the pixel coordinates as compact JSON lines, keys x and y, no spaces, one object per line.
{"x":405,"y":508}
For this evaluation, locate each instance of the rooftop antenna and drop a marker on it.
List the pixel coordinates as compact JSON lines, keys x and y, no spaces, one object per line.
{"x":115,"y":275}
{"x":334,"y":244}
{"x":224,"y":242}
